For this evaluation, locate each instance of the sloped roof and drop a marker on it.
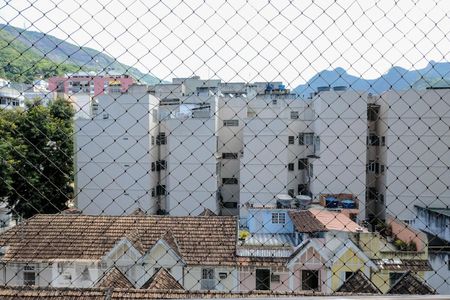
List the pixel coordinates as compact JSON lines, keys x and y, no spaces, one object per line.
{"x":114,"y":278}
{"x":162,"y":280}
{"x":207,"y":212}
{"x":304,"y":221}
{"x":409,"y":284}
{"x":358,"y":283}
{"x":170,"y":239}
{"x":200,"y":240}
{"x":135,"y":239}
{"x":336,"y":221}
{"x":403,"y":264}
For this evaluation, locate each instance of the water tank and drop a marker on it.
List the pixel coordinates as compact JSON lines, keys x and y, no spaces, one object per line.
{"x":303,"y":201}
{"x":323,"y":89}
{"x":348,"y":203}
{"x":284,"y":201}
{"x":331,"y":202}
{"x":340,"y":88}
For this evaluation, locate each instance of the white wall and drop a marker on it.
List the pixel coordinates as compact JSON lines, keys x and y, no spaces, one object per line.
{"x":417,"y":150}
{"x":190,"y":175}
{"x":341,"y":123}
{"x":113,"y":155}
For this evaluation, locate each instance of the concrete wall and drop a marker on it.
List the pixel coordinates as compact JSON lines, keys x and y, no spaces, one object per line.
{"x":113,"y":155}
{"x":341,"y":123}
{"x":417,"y":156}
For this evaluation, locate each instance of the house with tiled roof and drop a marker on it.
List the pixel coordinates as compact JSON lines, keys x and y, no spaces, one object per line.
{"x":83,"y":251}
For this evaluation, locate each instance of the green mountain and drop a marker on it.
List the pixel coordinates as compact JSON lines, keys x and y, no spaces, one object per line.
{"x":23,"y":52}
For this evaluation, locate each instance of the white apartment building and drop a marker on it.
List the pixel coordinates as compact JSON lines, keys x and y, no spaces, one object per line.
{"x":187,"y":164}
{"x":415,"y":140}
{"x":277,"y":139}
{"x":10,"y":98}
{"x":341,"y":123}
{"x":114,"y":153}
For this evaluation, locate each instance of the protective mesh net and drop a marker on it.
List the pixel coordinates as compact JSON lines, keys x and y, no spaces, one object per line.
{"x":175,"y":149}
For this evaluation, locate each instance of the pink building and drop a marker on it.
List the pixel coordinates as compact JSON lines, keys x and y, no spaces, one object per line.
{"x":91,"y":83}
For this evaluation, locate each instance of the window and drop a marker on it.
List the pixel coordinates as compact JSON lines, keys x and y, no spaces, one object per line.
{"x":348,"y":275}
{"x":161,"y":165}
{"x":373,"y":140}
{"x":302,"y":189}
{"x":229,"y":155}
{"x":383,"y":141}
{"x":208,"y":282}
{"x":310,"y":280}
{"x":278,"y":218}
{"x":29,"y":275}
{"x":317,"y":145}
{"x":105,"y":116}
{"x":153,"y":192}
{"x":294,"y":114}
{"x":161,"y":190}
{"x":231,"y":123}
{"x":291,"y":192}
{"x":274,"y":101}
{"x":311,"y":170}
{"x":275,"y":278}
{"x":306,"y":139}
{"x":291,"y":167}
{"x":291,"y":140}
{"x":153,"y":166}
{"x":229,"y":181}
{"x":302,"y":163}
{"x":372,"y":112}
{"x":394,"y":277}
{"x":153,"y":140}
{"x":161,"y":138}
{"x":375,"y":167}
{"x":372,"y":193}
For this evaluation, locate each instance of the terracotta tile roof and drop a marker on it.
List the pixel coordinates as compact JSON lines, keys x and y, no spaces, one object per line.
{"x":29,"y":293}
{"x":304,"y":221}
{"x":358,"y":283}
{"x":200,"y":240}
{"x":403,"y":264}
{"x":247,"y":261}
{"x":134,"y":237}
{"x":114,"y":278}
{"x":162,"y":280}
{"x":336,"y":221}
{"x":170,"y":239}
{"x":409,"y":284}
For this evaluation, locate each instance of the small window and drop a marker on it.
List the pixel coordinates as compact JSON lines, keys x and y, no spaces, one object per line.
{"x":161,"y":138}
{"x":105,"y":116}
{"x":230,"y":205}
{"x":294,"y":115}
{"x":302,"y":163}
{"x":306,"y":139}
{"x":29,"y":275}
{"x":161,"y":165}
{"x":310,"y":280}
{"x":291,"y":140}
{"x":291,"y":167}
{"x":278,"y":218}
{"x":383,"y":141}
{"x":373,"y":140}
{"x":229,"y":181}
{"x":153,"y":192}
{"x":394,"y":277}
{"x":275,"y":277}
{"x":348,"y":275}
{"x":274,"y":101}
{"x":161,"y":190}
{"x":231,"y":123}
{"x":372,"y":112}
{"x":291,"y":192}
{"x":153,"y":140}
{"x":153,"y":166}
{"x":229,"y":155}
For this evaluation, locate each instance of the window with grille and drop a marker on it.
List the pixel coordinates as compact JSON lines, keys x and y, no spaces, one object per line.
{"x":231,"y":123}
{"x":278,"y":218}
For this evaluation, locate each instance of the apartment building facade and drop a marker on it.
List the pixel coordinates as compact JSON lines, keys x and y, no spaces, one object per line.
{"x":114,"y":152}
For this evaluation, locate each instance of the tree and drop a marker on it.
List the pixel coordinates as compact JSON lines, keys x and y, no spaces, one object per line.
{"x":41,"y":151}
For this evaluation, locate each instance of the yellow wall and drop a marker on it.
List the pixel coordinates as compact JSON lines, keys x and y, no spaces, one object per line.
{"x":348,"y":262}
